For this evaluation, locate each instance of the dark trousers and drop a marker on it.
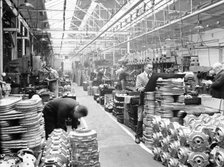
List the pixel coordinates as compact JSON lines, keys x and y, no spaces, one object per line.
{"x":139,"y":130}
{"x":50,"y":122}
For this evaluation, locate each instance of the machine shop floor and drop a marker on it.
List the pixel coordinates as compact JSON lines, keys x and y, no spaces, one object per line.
{"x":117,"y":148}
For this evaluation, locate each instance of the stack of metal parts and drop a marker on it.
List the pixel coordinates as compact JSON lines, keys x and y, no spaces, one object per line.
{"x":96,"y":93}
{"x":56,"y":151}
{"x":118,"y":110}
{"x":10,"y":127}
{"x":108,"y":102}
{"x":40,"y":107}
{"x":149,"y":107}
{"x":31,"y":122}
{"x":200,"y":143}
{"x":84,"y":146}
{"x":170,"y":97}
{"x":104,"y":89}
{"x":20,"y":122}
{"x":24,"y":158}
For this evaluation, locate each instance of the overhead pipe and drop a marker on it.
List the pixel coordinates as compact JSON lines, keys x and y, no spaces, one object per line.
{"x":110,"y":26}
{"x":172,"y":22}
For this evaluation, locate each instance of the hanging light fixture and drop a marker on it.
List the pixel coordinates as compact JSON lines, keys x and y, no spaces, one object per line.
{"x":173,"y":12}
{"x":26,"y":5}
{"x":199,"y":25}
{"x":43,"y":39}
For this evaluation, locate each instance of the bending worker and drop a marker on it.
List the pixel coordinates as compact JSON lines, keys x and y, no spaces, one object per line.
{"x":58,"y":110}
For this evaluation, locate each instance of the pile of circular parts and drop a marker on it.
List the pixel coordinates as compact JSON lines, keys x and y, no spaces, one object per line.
{"x":84,"y":146}
{"x":199,"y":143}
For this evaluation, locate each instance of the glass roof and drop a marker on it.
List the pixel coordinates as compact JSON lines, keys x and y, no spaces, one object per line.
{"x":60,"y":21}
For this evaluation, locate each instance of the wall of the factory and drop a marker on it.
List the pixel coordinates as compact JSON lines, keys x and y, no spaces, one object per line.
{"x":213,"y":39}
{"x":67,"y":65}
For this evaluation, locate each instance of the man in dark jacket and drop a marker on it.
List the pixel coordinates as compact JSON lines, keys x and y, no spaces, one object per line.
{"x":58,"y":110}
{"x":217,"y":87}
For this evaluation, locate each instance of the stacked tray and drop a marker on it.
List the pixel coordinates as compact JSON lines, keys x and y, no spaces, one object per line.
{"x":10,"y":128}
{"x":8,"y":104}
{"x":31,"y":121}
{"x":20,"y":127}
{"x":149,"y":110}
{"x":119,"y":107}
{"x":85,"y":150}
{"x":170,"y":97}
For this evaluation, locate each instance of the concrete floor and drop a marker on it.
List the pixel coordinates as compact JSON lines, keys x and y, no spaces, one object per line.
{"x":117,"y":148}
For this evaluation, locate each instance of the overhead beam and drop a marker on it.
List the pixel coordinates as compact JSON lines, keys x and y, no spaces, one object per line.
{"x":81,"y":32}
{"x":89,"y":12}
{"x":103,"y":7}
{"x":118,"y":16}
{"x":86,"y":12}
{"x":176,"y":21}
{"x":78,"y":40}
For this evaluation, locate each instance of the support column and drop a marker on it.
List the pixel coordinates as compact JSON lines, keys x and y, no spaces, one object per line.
{"x":23,"y":42}
{"x":1,"y":38}
{"x":128,"y":45}
{"x":221,"y":54}
{"x":114,"y":55}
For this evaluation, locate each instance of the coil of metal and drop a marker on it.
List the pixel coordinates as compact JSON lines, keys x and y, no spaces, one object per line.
{"x":157,"y":137}
{"x":165,"y":143}
{"x":181,"y":165}
{"x":219,"y":135}
{"x":172,"y":162}
{"x":183,"y":154}
{"x":219,"y":156}
{"x":156,"y":153}
{"x":182,"y":134}
{"x":163,"y":126}
{"x":172,"y":130}
{"x":173,"y":148}
{"x":164,"y":157}
{"x":155,"y":123}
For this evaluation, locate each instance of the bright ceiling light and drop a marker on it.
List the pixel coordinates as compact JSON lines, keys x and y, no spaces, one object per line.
{"x":26,"y":5}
